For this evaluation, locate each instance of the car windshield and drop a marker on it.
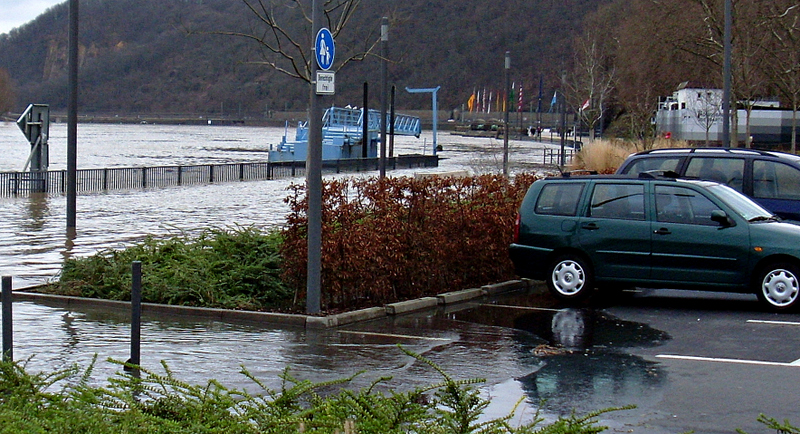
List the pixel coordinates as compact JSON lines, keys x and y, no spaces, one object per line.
{"x":740,"y":203}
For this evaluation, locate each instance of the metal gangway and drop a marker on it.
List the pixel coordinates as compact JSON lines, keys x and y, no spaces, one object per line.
{"x":344,"y":121}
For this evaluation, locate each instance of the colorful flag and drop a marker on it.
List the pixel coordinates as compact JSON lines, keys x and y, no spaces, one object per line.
{"x":554,"y":101}
{"x":585,"y":105}
{"x":471,"y":102}
{"x":511,"y":95}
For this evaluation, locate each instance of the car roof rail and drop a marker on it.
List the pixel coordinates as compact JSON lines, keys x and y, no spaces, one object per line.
{"x":718,"y":150}
{"x":659,"y":174}
{"x":569,"y":173}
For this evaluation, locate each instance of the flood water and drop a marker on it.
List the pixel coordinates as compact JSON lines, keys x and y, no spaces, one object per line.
{"x":33,"y":238}
{"x":33,"y":244}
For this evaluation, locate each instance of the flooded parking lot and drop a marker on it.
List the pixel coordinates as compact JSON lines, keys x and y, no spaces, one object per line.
{"x":689,"y":361}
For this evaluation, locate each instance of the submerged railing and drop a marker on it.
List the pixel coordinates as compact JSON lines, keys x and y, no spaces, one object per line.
{"x":131,"y":178}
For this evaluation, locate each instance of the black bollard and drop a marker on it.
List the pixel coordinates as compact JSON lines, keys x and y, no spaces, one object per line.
{"x":136,"y":315}
{"x":8,"y":333}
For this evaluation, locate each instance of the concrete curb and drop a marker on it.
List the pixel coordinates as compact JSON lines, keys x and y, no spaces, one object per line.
{"x":286,"y":319}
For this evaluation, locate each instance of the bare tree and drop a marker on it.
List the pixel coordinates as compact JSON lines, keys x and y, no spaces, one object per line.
{"x":592,"y":79}
{"x":282,"y":31}
{"x":706,"y":110}
{"x":646,"y":67}
{"x":784,"y":56}
{"x":750,"y":40}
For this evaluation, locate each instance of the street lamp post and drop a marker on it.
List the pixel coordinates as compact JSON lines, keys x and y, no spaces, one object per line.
{"x":314,"y":180}
{"x":505,"y":114}
{"x":384,"y":88}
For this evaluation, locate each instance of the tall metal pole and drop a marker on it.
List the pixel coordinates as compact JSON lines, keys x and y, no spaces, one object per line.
{"x":314,"y":179}
{"x":539,"y":108}
{"x":136,"y":313}
{"x":8,"y":332}
{"x":384,"y":89}
{"x":563,"y":103}
{"x":506,"y":130}
{"x":365,"y":122}
{"x":72,"y":121}
{"x":726,"y":77}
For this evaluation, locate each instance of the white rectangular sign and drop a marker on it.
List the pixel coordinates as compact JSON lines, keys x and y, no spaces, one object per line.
{"x":326,"y":83}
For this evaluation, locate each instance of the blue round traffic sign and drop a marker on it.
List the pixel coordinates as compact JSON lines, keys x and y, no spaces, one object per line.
{"x":325,"y":49}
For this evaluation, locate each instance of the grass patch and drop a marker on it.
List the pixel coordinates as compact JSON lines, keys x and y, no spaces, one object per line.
{"x":605,"y":156}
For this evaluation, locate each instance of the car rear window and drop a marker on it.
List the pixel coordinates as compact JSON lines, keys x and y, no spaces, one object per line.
{"x":559,"y":199}
{"x":774,"y":180}
{"x":728,"y":171}
{"x":652,"y":163}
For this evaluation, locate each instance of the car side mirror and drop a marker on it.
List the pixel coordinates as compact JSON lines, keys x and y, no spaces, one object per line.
{"x":722,"y":218}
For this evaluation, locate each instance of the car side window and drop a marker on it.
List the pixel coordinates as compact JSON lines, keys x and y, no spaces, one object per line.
{"x":728,"y":171}
{"x":618,"y":201}
{"x":775,"y":180}
{"x":683,"y":205}
{"x":559,"y":199}
{"x":647,"y":164}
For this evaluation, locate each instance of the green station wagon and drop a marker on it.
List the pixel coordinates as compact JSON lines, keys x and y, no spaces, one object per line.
{"x":582,"y":232}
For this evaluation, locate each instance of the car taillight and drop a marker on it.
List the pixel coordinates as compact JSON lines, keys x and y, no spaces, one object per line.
{"x":516,"y":228}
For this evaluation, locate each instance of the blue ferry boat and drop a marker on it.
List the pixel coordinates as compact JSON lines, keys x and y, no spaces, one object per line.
{"x":342,"y":132}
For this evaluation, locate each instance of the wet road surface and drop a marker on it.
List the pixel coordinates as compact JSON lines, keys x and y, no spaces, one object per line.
{"x":710,"y":363}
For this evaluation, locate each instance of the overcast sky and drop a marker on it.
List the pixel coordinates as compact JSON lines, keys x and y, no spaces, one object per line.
{"x":14,"y":13}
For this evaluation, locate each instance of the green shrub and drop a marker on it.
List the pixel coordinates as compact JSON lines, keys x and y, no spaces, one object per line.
{"x":65,"y":402}
{"x":235,"y":269}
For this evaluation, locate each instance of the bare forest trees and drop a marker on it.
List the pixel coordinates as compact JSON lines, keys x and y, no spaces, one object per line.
{"x":6,"y":92}
{"x":592,"y":79}
{"x":643,"y":66}
{"x":783,"y":65}
{"x":755,"y":49}
{"x":282,"y":31}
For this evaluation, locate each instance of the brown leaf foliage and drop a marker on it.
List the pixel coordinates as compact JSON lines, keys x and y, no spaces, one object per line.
{"x":393,"y":239}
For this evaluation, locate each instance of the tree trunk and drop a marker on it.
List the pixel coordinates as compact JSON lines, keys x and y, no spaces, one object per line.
{"x":748,"y":139}
{"x":794,"y":128}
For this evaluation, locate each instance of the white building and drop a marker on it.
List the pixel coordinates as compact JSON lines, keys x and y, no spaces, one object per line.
{"x":694,"y":111}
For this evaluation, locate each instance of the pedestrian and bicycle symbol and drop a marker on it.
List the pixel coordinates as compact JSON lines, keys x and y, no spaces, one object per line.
{"x":325,"y":49}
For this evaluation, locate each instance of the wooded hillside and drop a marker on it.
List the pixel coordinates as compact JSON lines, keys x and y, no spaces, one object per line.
{"x":136,"y":56}
{"x":610,"y":60}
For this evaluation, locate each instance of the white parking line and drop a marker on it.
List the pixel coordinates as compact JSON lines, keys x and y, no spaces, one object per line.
{"x":796,"y":363}
{"x":391,"y":335}
{"x":758,"y":321}
{"x":509,"y":306}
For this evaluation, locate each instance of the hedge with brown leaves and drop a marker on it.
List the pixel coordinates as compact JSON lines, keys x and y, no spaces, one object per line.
{"x":393,"y":239}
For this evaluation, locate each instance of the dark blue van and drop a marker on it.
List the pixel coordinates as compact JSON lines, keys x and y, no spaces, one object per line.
{"x":770,"y":178}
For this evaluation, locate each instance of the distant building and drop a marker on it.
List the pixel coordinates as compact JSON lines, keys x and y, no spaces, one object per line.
{"x":695,"y":110}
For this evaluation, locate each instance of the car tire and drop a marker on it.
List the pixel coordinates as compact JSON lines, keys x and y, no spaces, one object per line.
{"x":570,"y":278}
{"x":778,"y":286}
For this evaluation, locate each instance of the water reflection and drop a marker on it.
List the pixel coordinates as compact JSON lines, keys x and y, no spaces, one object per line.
{"x":579,"y":361}
{"x":37,"y":211}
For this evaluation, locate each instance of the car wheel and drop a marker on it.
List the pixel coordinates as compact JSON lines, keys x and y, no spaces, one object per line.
{"x":778,"y":286}
{"x":570,"y":278}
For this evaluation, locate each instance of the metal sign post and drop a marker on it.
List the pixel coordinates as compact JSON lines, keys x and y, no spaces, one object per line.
{"x":432,"y":91}
{"x":35,"y":125}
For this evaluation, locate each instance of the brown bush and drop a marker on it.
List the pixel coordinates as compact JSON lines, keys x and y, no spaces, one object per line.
{"x":392,"y":239}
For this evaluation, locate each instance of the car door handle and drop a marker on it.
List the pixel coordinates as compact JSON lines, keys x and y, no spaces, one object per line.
{"x":662,"y":231}
{"x":590,"y":226}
